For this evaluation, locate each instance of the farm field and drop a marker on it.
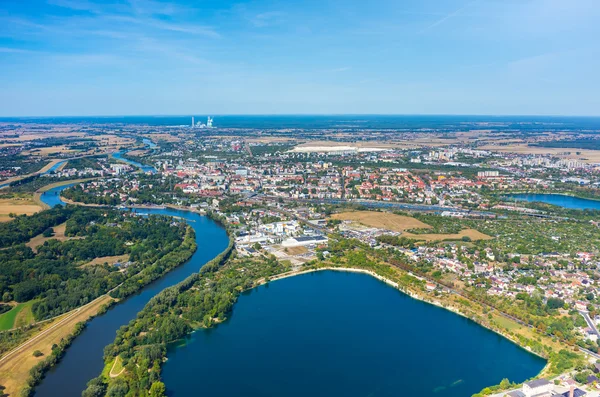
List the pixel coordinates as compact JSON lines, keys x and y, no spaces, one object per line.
{"x":296,"y":250}
{"x":18,"y":206}
{"x":45,"y":151}
{"x":585,"y":155}
{"x":400,"y":223}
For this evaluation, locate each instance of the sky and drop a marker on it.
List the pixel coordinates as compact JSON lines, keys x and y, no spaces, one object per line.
{"x":143,"y":57}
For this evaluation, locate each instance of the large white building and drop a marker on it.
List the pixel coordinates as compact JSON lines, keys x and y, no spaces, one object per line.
{"x":287,"y":228}
{"x":304,"y":240}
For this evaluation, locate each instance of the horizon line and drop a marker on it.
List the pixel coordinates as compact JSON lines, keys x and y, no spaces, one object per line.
{"x":301,"y":114}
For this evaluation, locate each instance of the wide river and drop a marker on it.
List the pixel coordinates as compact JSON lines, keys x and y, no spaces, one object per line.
{"x":560,"y":200}
{"x":83,"y":359}
{"x":321,"y":334}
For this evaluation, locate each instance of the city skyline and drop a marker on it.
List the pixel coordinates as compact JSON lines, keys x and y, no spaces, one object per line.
{"x":83,"y":58}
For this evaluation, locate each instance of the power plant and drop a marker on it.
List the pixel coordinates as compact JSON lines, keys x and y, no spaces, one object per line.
{"x":209,"y":123}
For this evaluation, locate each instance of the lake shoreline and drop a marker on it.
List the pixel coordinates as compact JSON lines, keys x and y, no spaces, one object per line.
{"x":565,"y":194}
{"x":399,"y":288}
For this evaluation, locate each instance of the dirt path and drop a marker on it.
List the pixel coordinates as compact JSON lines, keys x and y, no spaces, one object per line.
{"x":113,"y":375}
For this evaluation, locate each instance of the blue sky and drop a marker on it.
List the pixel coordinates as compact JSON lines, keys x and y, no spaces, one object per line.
{"x":92,"y":57}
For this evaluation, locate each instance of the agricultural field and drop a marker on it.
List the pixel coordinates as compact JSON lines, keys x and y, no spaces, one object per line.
{"x":17,"y":205}
{"x":584,"y":155}
{"x":46,"y":151}
{"x":110,"y":142}
{"x":296,"y":250}
{"x":402,"y":224}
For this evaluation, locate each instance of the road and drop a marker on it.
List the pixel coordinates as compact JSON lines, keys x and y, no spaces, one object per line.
{"x":589,"y":321}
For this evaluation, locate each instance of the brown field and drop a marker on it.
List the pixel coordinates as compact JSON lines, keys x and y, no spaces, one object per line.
{"x":44,"y":135}
{"x":382,"y":220}
{"x":111,"y":260}
{"x":112,"y":140}
{"x":296,"y":250}
{"x":45,"y":151}
{"x":15,"y":365}
{"x":138,"y":152}
{"x":59,"y":234}
{"x":587,"y":156}
{"x":17,"y":206}
{"x":400,"y":223}
{"x":165,"y":137}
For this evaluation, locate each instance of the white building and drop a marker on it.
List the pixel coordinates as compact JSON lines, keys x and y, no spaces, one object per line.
{"x":286,"y":228}
{"x":538,"y":388}
{"x":304,"y":240}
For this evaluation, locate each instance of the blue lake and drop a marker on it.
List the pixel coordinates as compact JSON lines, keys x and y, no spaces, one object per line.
{"x":342,"y":334}
{"x":560,"y":200}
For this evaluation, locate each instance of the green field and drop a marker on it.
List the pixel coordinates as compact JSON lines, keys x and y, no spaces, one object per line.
{"x":18,"y":316}
{"x":509,"y":324}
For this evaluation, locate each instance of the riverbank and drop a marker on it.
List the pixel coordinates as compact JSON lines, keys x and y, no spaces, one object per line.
{"x":81,"y":361}
{"x":37,"y":196}
{"x":15,"y":366}
{"x":21,"y":370}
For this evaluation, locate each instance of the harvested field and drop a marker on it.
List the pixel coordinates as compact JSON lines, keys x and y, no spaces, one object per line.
{"x":44,"y":135}
{"x":138,"y":152}
{"x":296,"y":250}
{"x":585,"y":155}
{"x":400,"y":223}
{"x":113,"y":140}
{"x":17,"y":206}
{"x":111,"y":260}
{"x":15,"y":365}
{"x":164,"y":137}
{"x":382,"y":220}
{"x":45,"y":151}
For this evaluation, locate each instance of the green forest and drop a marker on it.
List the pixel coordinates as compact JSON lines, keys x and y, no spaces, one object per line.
{"x":56,"y":275}
{"x":202,"y":300}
